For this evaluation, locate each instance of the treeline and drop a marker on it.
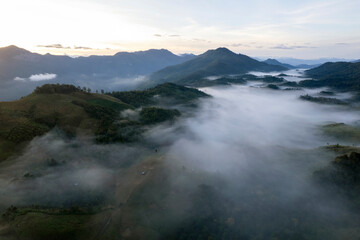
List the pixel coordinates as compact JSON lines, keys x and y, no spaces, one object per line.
{"x":63,"y":89}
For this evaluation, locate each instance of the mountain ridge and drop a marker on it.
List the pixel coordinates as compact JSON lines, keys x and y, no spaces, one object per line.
{"x":213,"y":62}
{"x":19,"y":62}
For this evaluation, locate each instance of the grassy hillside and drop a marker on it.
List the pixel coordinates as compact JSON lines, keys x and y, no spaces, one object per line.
{"x":64,"y":106}
{"x":77,"y":112}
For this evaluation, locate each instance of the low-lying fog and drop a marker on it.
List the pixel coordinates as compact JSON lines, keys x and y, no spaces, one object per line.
{"x":261,"y":146}
{"x":256,"y":150}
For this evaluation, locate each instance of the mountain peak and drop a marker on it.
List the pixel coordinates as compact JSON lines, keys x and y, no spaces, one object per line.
{"x":222,"y":51}
{"x":12,"y":50}
{"x":271,"y":60}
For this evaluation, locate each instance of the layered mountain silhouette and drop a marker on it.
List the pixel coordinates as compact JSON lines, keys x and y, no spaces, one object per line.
{"x":220,"y":61}
{"x":18,"y":62}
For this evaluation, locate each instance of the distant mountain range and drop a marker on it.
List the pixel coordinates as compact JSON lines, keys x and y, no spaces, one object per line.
{"x":310,"y":62}
{"x":21,"y":70}
{"x":289,"y":66}
{"x":212,"y":63}
{"x":17,"y":62}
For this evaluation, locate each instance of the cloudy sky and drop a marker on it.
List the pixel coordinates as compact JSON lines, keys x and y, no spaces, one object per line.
{"x":302,"y":29}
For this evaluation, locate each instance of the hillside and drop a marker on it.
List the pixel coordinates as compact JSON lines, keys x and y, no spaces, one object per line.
{"x":171,"y":92}
{"x":72,"y":110}
{"x":339,"y":75}
{"x":213,"y":62}
{"x":77,"y":112}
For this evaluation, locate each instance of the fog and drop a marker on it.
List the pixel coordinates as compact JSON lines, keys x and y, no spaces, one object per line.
{"x":258,"y":149}
{"x":57,"y":171}
{"x":244,"y":159}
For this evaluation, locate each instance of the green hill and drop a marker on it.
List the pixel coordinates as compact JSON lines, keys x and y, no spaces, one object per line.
{"x":76,"y":112}
{"x":339,"y":75}
{"x":64,"y":106}
{"x":213,"y":62}
{"x":170,"y":91}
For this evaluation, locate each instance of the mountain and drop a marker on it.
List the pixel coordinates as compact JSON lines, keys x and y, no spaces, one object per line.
{"x":339,"y":75}
{"x":310,"y":62}
{"x":213,"y":62}
{"x":21,"y":71}
{"x":277,"y":63}
{"x":17,"y":62}
{"x":335,"y":70}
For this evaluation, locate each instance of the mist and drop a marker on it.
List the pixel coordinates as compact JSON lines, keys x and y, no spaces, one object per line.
{"x":243,"y":161}
{"x":254,"y":151}
{"x":57,"y":171}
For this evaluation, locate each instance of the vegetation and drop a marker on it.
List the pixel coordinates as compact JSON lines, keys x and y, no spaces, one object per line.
{"x":49,"y":223}
{"x":289,"y":84}
{"x":327,"y":93}
{"x":343,"y":76}
{"x":75,"y":110}
{"x":56,"y":88}
{"x":175,"y":93}
{"x":212,"y":63}
{"x":152,"y":115}
{"x":323,"y":100}
{"x":343,"y":132}
{"x":273,"y":87}
{"x":341,"y":149}
{"x":343,"y":175}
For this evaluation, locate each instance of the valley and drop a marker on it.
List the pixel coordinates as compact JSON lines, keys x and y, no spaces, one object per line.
{"x":221,"y":146}
{"x":233,"y":156}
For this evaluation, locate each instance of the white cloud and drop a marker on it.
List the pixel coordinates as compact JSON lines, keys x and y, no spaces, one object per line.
{"x":42,"y":77}
{"x":19,"y":79}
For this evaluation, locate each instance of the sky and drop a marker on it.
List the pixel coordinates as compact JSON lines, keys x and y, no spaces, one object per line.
{"x":276,"y":28}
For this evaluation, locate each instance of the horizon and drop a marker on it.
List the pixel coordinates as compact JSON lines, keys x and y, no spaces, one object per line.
{"x":259,"y":58}
{"x":306,"y":30}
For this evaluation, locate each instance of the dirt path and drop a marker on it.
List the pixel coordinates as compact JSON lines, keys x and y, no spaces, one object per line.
{"x":127,"y":181}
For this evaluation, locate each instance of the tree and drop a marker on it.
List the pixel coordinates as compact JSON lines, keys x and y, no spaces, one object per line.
{"x":102,"y":91}
{"x":89,"y":90}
